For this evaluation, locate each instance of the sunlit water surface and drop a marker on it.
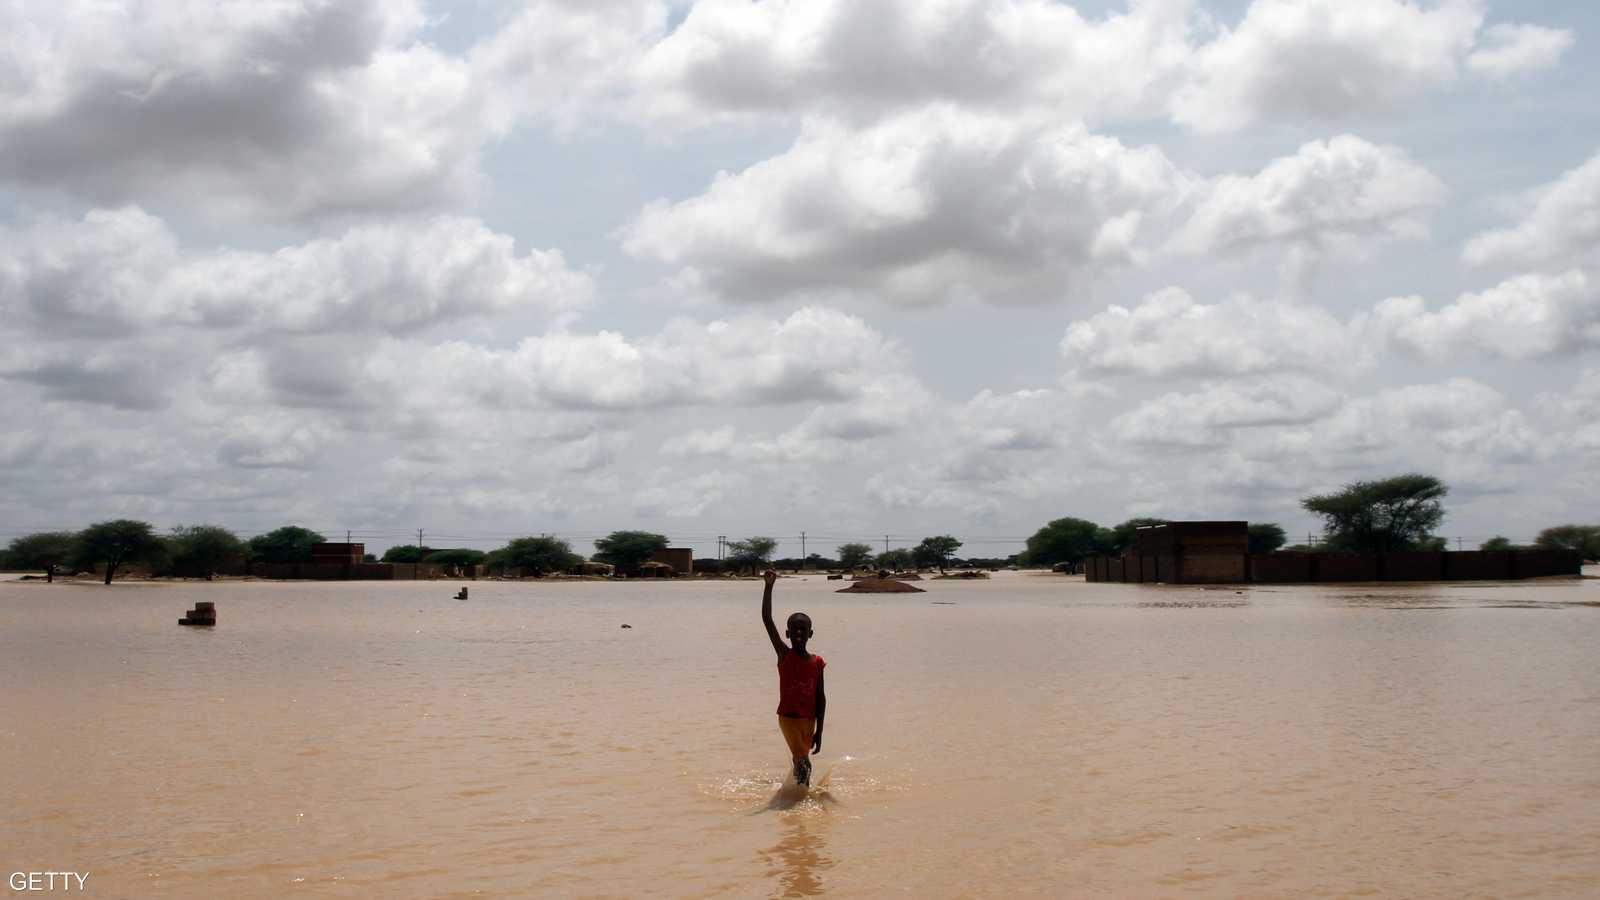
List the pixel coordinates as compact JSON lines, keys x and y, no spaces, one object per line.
{"x":1027,"y":735}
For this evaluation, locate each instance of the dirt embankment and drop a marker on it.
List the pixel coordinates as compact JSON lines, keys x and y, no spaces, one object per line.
{"x":880,"y":586}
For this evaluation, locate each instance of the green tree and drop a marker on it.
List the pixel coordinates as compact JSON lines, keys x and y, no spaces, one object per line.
{"x":1498,"y":542}
{"x":45,"y":550}
{"x":1115,"y":541}
{"x":751,"y":552}
{"x":896,"y":560}
{"x":1266,"y":537}
{"x":628,"y":549}
{"x":1380,"y":516}
{"x":812,"y":560}
{"x":819,"y":562}
{"x":936,"y":551}
{"x":116,"y":543}
{"x":1583,"y":538}
{"x":541,"y":554}
{"x":289,"y":544}
{"x":205,"y":549}
{"x":456,"y":557}
{"x":1066,"y":540}
{"x":402,"y":553}
{"x":854,"y":556}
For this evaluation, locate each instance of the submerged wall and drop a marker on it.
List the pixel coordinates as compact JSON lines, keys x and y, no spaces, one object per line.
{"x":365,"y":571}
{"x":1305,"y":568}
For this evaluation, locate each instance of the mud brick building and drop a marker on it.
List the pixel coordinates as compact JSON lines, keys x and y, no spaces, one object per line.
{"x":1219,"y":553}
{"x":681,"y":559}
{"x":340,"y":554}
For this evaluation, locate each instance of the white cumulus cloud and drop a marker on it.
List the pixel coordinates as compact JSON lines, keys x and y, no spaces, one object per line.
{"x":1526,"y":317}
{"x":1561,"y":227}
{"x":1510,"y":50}
{"x":280,"y":108}
{"x":1200,"y":418}
{"x":117,"y":269}
{"x":1341,"y":187}
{"x":1170,"y":334}
{"x":816,"y":354}
{"x":931,"y":205}
{"x":1325,"y":59}
{"x":863,"y":60}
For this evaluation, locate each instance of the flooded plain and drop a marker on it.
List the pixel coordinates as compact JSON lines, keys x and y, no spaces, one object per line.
{"x":1029,"y":735}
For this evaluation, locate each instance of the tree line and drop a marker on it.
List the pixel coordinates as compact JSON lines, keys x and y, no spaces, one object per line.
{"x":1379,"y":516}
{"x":1385,"y":515}
{"x":204,"y":550}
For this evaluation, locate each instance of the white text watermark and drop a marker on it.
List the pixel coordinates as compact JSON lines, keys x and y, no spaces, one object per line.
{"x":48,"y":881}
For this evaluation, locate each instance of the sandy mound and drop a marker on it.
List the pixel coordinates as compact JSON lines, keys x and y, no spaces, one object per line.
{"x":879,"y":586}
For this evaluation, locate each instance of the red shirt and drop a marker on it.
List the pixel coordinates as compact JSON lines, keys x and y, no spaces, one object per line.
{"x":797,"y":684}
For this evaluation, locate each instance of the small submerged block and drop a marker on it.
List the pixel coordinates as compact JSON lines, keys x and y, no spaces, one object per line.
{"x":203,"y":615}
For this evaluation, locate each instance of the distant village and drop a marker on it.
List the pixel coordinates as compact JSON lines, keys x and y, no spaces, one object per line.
{"x":1381,"y":530}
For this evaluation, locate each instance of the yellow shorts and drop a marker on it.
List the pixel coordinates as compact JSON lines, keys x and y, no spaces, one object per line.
{"x":797,"y":733}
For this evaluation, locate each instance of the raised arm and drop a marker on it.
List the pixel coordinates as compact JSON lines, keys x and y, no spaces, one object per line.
{"x":766,"y":613}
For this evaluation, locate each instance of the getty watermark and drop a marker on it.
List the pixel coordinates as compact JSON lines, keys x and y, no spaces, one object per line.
{"x":48,"y":881}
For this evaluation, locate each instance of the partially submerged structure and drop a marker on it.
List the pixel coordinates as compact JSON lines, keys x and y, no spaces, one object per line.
{"x":681,"y":559}
{"x":1219,"y":553}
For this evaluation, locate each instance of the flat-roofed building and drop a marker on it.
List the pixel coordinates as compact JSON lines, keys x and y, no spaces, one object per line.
{"x":681,"y":559}
{"x":341,"y":554}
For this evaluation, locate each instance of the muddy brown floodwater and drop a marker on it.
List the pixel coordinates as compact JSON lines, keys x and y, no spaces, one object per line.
{"x":1026,"y":735}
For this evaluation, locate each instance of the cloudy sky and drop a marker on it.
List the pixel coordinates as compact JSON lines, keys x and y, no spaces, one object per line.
{"x":849,"y":267}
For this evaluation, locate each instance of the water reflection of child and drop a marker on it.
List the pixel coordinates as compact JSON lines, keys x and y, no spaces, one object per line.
{"x":802,"y":703}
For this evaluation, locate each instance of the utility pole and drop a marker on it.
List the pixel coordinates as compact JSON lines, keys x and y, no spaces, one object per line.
{"x":802,"y":548}
{"x":419,"y":538}
{"x":886,"y":543}
{"x":1458,"y":543}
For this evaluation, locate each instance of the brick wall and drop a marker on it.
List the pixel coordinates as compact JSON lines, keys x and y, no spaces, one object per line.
{"x":1412,"y":566}
{"x":1306,"y":568}
{"x":1478,"y":565}
{"x":1212,"y":569}
{"x":1282,"y":568}
{"x":311,"y":571}
{"x":681,"y":559}
{"x":1347,"y":567}
{"x":1539,"y":563}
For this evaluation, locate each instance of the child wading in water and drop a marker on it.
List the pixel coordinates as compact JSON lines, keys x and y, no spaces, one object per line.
{"x":801,"y":701}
